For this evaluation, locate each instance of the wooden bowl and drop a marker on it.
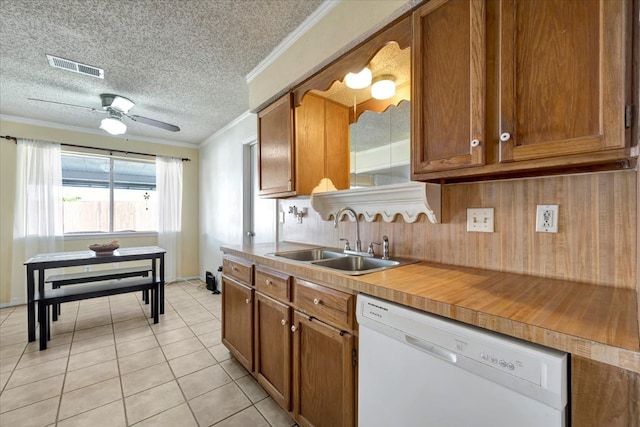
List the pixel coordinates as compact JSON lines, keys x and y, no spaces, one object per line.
{"x":104,"y":248}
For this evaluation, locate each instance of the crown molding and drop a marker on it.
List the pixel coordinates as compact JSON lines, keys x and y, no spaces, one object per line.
{"x":226,"y":127}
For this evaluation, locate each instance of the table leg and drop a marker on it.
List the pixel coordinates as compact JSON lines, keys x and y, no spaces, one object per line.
{"x":161,"y":296}
{"x":31,"y":308}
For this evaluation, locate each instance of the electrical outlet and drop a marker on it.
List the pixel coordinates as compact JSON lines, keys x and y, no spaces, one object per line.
{"x":547,"y":218}
{"x":480,"y":220}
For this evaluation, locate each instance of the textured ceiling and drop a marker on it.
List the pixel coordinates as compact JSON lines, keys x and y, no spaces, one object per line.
{"x":182,"y":62}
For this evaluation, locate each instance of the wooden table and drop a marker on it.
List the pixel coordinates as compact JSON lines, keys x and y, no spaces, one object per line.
{"x":42,"y":262}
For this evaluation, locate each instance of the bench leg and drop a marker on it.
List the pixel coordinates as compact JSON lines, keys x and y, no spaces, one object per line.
{"x":56,"y":307}
{"x":43,"y":319}
{"x":156,"y":312}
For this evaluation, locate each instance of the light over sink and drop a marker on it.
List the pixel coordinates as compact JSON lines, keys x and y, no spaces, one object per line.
{"x":338,"y":261}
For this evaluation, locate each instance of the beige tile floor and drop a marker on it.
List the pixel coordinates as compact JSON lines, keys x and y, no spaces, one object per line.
{"x":107,"y":364}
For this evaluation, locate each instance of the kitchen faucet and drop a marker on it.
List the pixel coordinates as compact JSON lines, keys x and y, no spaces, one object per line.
{"x":336,"y":219}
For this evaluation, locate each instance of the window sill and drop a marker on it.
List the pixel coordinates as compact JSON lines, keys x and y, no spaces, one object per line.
{"x":120,"y":235}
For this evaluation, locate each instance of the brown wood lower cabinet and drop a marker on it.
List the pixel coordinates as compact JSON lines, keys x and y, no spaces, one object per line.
{"x":323,"y":374}
{"x":237,"y":320}
{"x":273,"y":348}
{"x":603,"y":395}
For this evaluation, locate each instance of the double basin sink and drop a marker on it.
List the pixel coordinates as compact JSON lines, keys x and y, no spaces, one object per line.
{"x":345,"y":263}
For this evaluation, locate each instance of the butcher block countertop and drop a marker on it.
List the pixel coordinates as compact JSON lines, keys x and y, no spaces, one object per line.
{"x":595,"y":322}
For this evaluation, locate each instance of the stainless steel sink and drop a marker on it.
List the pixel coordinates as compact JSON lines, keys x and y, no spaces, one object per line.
{"x":333,"y":259}
{"x":357,"y":263}
{"x":311,"y":254}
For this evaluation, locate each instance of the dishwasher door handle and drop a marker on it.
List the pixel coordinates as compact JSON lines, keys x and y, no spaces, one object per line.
{"x":432,"y":349}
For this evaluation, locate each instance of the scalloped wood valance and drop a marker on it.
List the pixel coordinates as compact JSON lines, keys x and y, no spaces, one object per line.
{"x":408,"y":200}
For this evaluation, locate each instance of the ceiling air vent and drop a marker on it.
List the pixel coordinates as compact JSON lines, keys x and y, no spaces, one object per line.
{"x":76,"y":67}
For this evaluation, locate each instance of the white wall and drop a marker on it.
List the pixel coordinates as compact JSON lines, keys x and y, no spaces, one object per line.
{"x":221,"y":190}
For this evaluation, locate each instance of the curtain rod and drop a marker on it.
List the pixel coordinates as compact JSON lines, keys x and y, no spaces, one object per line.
{"x":111,"y":151}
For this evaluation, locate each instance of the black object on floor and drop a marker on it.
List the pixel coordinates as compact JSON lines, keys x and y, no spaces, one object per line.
{"x":211,"y":283}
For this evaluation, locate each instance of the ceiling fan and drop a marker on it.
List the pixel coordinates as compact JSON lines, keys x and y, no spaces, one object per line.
{"x":117,"y":107}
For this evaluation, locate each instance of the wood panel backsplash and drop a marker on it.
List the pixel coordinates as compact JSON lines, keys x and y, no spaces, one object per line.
{"x":595,"y":243}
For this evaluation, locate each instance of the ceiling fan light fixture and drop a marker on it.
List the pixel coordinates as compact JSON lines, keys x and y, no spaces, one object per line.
{"x":122,"y":104}
{"x":383,"y":87}
{"x":358,"y":80}
{"x":113,"y":125}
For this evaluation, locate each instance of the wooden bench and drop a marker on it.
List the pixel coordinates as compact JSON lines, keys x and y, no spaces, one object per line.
{"x":54,"y":297}
{"x":94,"y":276}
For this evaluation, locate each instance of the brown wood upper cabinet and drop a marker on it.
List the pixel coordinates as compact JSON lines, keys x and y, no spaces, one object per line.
{"x":448,"y":86}
{"x":276,"y":151}
{"x":298,"y":148}
{"x":520,"y":86}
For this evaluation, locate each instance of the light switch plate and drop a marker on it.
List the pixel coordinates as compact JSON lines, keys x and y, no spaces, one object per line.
{"x":547,"y":218}
{"x":480,"y":220}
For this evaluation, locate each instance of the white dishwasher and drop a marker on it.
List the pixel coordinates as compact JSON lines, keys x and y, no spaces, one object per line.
{"x":417,"y":369}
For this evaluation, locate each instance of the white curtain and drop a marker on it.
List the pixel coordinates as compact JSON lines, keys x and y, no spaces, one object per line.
{"x":38,"y":208}
{"x":169,"y":190}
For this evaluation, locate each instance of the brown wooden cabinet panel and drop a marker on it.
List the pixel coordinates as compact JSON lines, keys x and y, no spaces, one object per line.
{"x":323,"y":374}
{"x":448,"y":86}
{"x":562,"y":77}
{"x":273,"y":348}
{"x":334,"y":307}
{"x":298,"y":149}
{"x":273,"y":283}
{"x":521,"y":88}
{"x":237,"y":320}
{"x":276,"y":151}
{"x":322,"y":143}
{"x":238,"y":268}
{"x":603,"y":395}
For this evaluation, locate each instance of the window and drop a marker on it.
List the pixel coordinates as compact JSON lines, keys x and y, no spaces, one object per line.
{"x":108,"y":195}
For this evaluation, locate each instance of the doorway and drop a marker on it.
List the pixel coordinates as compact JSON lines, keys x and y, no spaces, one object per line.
{"x":259,"y":222}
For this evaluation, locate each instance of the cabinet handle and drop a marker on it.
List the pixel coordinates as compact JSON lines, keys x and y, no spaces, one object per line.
{"x":293,"y":328}
{"x":505,"y":136}
{"x":475,"y":143}
{"x":283,"y":322}
{"x":234,"y":268}
{"x":316,"y":301}
{"x":247,"y":301}
{"x":268,"y":282}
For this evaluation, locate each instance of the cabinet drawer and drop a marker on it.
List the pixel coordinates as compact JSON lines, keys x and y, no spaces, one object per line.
{"x":239,"y":269}
{"x":326,"y":304}
{"x":273,"y":283}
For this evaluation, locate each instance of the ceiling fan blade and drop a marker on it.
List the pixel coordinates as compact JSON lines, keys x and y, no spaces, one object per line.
{"x":156,"y":123}
{"x":67,"y":105}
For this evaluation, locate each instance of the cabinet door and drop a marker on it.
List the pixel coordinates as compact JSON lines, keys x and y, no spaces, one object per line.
{"x":323,"y":374}
{"x":562,"y":68}
{"x":275,"y":144}
{"x":237,"y":321}
{"x":322,"y":144}
{"x":337,"y":157}
{"x":273,"y":348}
{"x":448,"y":86}
{"x":310,"y":135}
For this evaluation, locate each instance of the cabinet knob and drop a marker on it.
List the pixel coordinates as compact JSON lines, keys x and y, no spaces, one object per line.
{"x":475,"y":143}
{"x":283,"y":322}
{"x":247,"y":301}
{"x":267,"y":282}
{"x":316,"y":301}
{"x":293,"y":328}
{"x":234,"y":268}
{"x":505,"y":136}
